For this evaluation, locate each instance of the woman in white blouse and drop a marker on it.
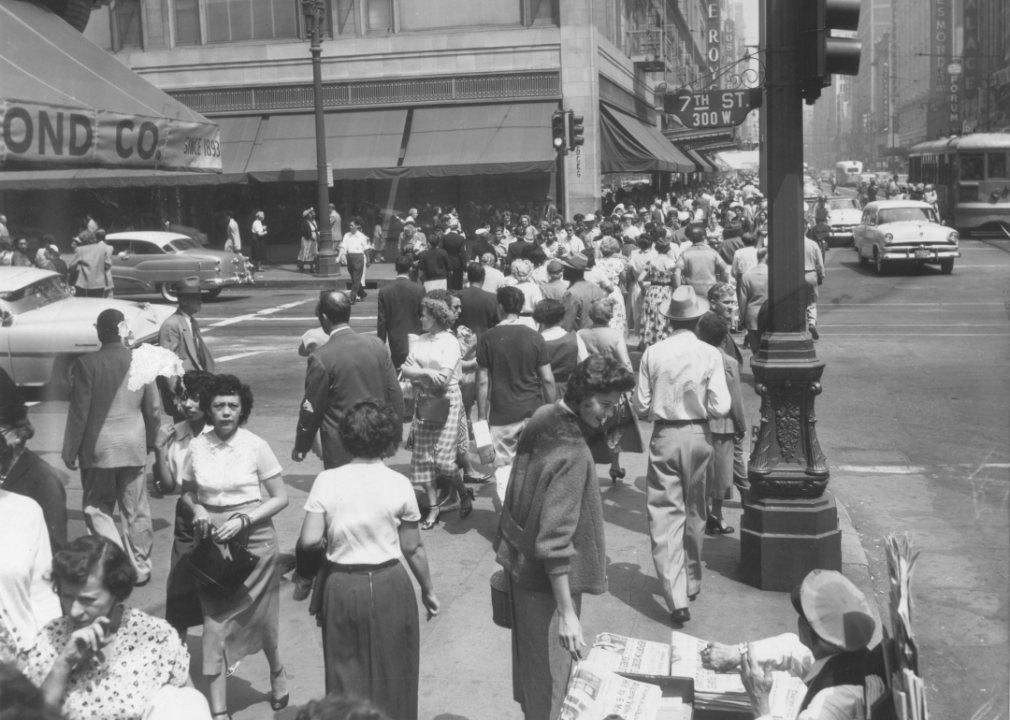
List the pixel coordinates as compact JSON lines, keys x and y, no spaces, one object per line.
{"x":367,"y":515}
{"x":221,"y":483}
{"x":439,"y":431}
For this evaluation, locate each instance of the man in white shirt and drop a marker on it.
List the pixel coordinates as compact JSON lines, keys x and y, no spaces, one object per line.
{"x":493,"y":277}
{"x":681,"y":384}
{"x":814,"y":275}
{"x":234,"y":242}
{"x":830,"y":653}
{"x":259,"y":233}
{"x":354,"y":244}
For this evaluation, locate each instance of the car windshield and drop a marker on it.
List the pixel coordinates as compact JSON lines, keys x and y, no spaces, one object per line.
{"x":906,"y":214}
{"x":31,"y":297}
{"x":843,"y":204}
{"x":183,"y":244}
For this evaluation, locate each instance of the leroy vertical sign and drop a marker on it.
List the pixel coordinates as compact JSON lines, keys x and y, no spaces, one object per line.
{"x":713,"y":32}
{"x":714,"y":109}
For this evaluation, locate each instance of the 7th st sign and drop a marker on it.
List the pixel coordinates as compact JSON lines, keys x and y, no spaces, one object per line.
{"x":715,"y":109}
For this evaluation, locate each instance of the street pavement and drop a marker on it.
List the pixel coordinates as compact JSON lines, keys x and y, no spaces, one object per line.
{"x":913,"y":419}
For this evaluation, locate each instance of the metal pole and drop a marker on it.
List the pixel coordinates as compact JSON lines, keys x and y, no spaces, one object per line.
{"x":326,"y":261}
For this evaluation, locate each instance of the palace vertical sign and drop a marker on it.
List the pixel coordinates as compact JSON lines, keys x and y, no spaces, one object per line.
{"x":713,"y":32}
{"x":969,"y":76}
{"x":942,"y":101}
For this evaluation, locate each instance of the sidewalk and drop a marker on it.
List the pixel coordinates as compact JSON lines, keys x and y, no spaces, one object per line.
{"x":465,"y":659}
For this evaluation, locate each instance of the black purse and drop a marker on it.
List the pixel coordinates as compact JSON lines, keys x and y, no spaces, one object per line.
{"x":432,"y":409}
{"x":221,"y":567}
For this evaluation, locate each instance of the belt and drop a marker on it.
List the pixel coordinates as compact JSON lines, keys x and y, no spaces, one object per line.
{"x":337,"y":567}
{"x":662,"y":422}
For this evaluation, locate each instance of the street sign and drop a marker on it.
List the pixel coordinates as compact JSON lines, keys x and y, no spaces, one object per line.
{"x":714,"y":109}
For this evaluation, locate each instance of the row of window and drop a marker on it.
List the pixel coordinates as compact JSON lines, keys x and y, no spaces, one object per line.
{"x":197,"y":22}
{"x":974,"y":167}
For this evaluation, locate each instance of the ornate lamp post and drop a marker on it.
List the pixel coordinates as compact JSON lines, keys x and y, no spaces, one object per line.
{"x":315,"y":17}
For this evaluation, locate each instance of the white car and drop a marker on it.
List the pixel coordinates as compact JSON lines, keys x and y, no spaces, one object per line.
{"x":844,"y":214}
{"x":907,"y":231}
{"x":44,"y":327}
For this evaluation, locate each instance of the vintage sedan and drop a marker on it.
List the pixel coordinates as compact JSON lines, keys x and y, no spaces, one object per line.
{"x":905,"y":231}
{"x":150,"y":261}
{"x":43,"y":327}
{"x":844,"y":214}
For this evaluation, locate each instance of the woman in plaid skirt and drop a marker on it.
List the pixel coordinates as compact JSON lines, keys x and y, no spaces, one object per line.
{"x":435,"y":368}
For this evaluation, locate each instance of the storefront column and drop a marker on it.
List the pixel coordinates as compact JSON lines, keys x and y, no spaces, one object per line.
{"x":580,"y":90}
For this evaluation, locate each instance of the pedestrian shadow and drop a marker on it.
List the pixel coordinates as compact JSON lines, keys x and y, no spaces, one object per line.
{"x":485,"y":522}
{"x":721,"y":555}
{"x":637,"y":590}
{"x":300,"y":482}
{"x":624,"y":507}
{"x":157,"y":524}
{"x":241,"y":693}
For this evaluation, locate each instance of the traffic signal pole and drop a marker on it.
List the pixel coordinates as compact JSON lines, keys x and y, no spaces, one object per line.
{"x":790,"y":525}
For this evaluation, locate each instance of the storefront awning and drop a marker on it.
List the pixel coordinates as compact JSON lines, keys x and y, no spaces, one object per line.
{"x":66,"y":103}
{"x":700,"y":160}
{"x":480,"y":140}
{"x":629,"y":145}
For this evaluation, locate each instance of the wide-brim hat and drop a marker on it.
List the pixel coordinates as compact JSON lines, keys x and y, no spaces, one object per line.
{"x":686,"y":305}
{"x":836,"y":609}
{"x":187,"y":286}
{"x":306,"y":213}
{"x":591,"y":217}
{"x":575,"y":261}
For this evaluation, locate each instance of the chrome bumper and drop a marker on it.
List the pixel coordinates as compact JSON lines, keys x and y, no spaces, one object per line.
{"x":934,"y":253}
{"x":227,"y":281}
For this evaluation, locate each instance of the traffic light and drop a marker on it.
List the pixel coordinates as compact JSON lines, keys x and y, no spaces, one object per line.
{"x":558,"y":131}
{"x":575,"y":131}
{"x":821,"y":54}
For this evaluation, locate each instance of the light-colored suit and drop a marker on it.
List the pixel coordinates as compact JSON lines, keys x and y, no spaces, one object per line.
{"x":109,"y":428}
{"x":94,"y":266}
{"x":753,"y":294}
{"x":176,"y":335}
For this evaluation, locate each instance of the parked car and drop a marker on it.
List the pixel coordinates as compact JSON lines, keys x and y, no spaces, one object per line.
{"x":908,"y":231}
{"x":150,"y":261}
{"x":843,"y":216}
{"x":44,"y":327}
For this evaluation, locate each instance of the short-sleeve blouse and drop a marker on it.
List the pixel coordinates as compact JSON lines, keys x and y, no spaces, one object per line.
{"x":120,"y":684}
{"x":437,"y":351}
{"x":229,"y":472}
{"x":363,"y":503}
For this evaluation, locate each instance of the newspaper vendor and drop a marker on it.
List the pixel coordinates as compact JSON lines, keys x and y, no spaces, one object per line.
{"x":831,"y":652}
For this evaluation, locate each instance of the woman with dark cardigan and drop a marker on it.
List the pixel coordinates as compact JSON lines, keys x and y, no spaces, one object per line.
{"x":550,"y":538}
{"x":367,"y":517}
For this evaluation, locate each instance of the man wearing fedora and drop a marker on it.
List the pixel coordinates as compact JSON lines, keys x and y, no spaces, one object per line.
{"x":681,"y":384}
{"x":581,"y":293}
{"x":830,"y":652}
{"x":180,"y":333}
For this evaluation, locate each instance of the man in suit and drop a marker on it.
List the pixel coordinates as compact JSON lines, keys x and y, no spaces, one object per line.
{"x":109,"y":430}
{"x":479,"y":308}
{"x":345,"y":369}
{"x":581,"y":293}
{"x":753,"y":295}
{"x":180,"y":333}
{"x":400,"y":311}
{"x":454,"y":244}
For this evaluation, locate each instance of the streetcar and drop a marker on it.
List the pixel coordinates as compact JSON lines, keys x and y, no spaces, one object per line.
{"x":971,"y":176}
{"x":847,"y":173}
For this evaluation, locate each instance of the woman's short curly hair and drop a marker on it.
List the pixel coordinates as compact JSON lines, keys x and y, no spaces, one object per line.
{"x":602,"y":311}
{"x":596,"y":375}
{"x":368,"y":428}
{"x":223,"y":385}
{"x":90,"y":555}
{"x":340,"y":707}
{"x":195,"y":383}
{"x":440,"y":312}
{"x":549,"y":312}
{"x":610,"y":246}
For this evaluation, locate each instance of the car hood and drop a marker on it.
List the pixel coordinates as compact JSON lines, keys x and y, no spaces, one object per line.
{"x":145,"y":320}
{"x":846,"y":217}
{"x":913,"y":230}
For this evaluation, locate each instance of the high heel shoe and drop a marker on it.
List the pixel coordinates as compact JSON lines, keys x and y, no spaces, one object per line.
{"x":279,"y":703}
{"x":714,"y":526}
{"x":223,"y":713}
{"x":617,"y":475}
{"x":465,"y":508}
{"x":430,"y":522}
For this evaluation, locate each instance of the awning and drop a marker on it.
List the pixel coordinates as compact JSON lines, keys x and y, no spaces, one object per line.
{"x":629,"y":145}
{"x":65,"y":102}
{"x":359,"y":145}
{"x":703,"y":165}
{"x":480,"y":140}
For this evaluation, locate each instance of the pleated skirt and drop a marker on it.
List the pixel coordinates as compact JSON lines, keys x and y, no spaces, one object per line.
{"x":371,"y":638}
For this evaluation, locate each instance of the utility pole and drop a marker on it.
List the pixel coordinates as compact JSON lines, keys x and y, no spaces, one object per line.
{"x":790,"y":526}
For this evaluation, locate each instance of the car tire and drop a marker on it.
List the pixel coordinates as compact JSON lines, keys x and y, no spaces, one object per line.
{"x":166,"y":292}
{"x":878,"y":262}
{"x":211,"y":294}
{"x":947,"y":266}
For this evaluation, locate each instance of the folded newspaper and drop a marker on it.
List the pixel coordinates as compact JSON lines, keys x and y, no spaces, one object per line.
{"x":595,"y":693}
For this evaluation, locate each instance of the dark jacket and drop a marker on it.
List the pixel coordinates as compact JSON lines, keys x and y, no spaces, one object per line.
{"x":552,"y":518}
{"x":479,"y":310}
{"x":580,"y":296}
{"x":434,"y":264}
{"x":33,"y":477}
{"x":455,"y":245}
{"x":345,"y":369}
{"x":399,"y":316}
{"x":516,"y":251}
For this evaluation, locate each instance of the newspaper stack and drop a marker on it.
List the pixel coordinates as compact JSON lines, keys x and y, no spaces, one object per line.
{"x":595,"y":693}
{"x":900,"y":651}
{"x":713,"y":691}
{"x":621,"y":654}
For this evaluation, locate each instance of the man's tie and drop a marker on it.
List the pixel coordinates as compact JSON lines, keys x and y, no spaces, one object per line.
{"x":198,"y":341}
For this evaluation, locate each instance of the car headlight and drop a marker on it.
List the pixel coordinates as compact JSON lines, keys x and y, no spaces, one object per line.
{"x":953,"y":237}
{"x":888,"y":238}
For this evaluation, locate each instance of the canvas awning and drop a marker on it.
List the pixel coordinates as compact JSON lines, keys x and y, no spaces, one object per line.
{"x":629,"y":145}
{"x":66,"y":103}
{"x":700,"y":160}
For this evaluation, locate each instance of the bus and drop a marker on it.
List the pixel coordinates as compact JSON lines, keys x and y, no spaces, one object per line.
{"x":971,"y":176}
{"x":847,"y":173}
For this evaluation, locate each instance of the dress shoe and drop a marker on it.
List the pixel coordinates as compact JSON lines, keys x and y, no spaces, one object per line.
{"x":694,"y":596}
{"x":813,"y":333}
{"x":303,"y":586}
{"x":680,"y":616}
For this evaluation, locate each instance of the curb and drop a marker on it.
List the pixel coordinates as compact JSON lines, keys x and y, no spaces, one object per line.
{"x":856,"y":567}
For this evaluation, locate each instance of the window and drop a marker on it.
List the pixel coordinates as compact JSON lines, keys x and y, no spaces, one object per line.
{"x":972,"y":167}
{"x":142,"y":247}
{"x":187,"y":22}
{"x":126,"y":24}
{"x":345,"y":22}
{"x":241,"y":20}
{"x":997,"y":166}
{"x":378,"y":15}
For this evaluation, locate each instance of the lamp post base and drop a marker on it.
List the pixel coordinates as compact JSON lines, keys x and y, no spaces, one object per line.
{"x":327,"y":265}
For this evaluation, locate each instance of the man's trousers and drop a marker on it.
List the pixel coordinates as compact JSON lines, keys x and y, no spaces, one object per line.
{"x":127,"y":486}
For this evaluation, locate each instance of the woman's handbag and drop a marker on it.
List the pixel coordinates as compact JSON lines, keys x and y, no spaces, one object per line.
{"x":221,"y":567}
{"x":432,"y":409}
{"x":501,"y":608}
